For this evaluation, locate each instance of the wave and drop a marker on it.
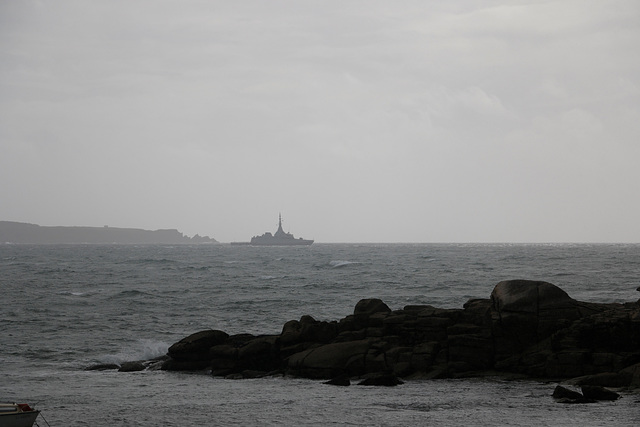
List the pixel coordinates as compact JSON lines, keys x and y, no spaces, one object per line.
{"x":73,"y":293}
{"x":341,"y":263}
{"x":150,"y":261}
{"x":54,"y":270}
{"x":195,"y":268}
{"x":142,"y":349}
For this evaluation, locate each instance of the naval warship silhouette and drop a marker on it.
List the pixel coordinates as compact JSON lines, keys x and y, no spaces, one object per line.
{"x":279,"y":238}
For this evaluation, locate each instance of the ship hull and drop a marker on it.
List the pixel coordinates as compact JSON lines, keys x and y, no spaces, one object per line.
{"x":279,"y":238}
{"x":278,"y":242}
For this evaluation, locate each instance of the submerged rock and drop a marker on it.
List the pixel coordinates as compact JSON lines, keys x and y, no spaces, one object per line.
{"x":605,"y":379}
{"x":342,"y":380}
{"x":598,"y":393}
{"x":382,"y":379}
{"x":132,"y":367}
{"x":102,"y":367}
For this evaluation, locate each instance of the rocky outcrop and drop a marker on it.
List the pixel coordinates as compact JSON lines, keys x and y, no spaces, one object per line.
{"x":193,"y":352}
{"x":526,"y":327}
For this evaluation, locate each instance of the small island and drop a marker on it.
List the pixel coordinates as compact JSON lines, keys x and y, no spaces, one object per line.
{"x":25,"y":233}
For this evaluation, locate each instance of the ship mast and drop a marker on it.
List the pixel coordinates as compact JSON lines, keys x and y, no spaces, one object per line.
{"x":280,"y":231}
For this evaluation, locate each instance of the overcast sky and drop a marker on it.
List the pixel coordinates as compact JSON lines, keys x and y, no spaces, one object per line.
{"x":359,"y":121}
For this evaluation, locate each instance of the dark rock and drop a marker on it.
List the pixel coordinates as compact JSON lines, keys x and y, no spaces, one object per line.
{"x":223,"y":351}
{"x":528,"y":296}
{"x":398,"y":359}
{"x":250,"y":374}
{"x":382,"y":379}
{"x":477,"y":312}
{"x":416,"y":308}
{"x":476,"y":352}
{"x":525,"y":312}
{"x":156,"y":364}
{"x":634,"y":372}
{"x":598,"y":393}
{"x":351,"y":335}
{"x":132,"y":367}
{"x":452,"y":314}
{"x":189,"y":365}
{"x":224,"y":363}
{"x":342,"y":380}
{"x":259,"y":354}
{"x":526,"y":328}
{"x":291,"y":333}
{"x":196,"y":346}
{"x":234,"y":376}
{"x":605,"y":379}
{"x":239,"y":340}
{"x":102,"y":367}
{"x":561,"y":392}
{"x":370,"y":306}
{"x":424,"y":355}
{"x":307,"y":329}
{"x":221,"y":372}
{"x":464,"y":329}
{"x":245,"y":353}
{"x":331,"y":360}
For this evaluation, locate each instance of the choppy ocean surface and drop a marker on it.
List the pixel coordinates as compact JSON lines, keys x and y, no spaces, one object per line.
{"x":67,"y":307}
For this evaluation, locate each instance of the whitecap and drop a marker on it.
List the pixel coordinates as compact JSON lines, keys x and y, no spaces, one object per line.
{"x":72,"y":293}
{"x":340,"y":263}
{"x":142,"y":349}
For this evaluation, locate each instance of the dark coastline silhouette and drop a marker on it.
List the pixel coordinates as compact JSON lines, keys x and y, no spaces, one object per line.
{"x":25,"y":233}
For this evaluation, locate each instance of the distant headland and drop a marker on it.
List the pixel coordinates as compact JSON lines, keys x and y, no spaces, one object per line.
{"x":25,"y":233}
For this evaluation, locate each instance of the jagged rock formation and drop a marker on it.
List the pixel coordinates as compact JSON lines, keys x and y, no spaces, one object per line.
{"x":526,"y":327}
{"x":23,"y":233}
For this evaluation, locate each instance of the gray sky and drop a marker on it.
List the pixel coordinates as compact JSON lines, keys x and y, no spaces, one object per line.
{"x":360,"y":121}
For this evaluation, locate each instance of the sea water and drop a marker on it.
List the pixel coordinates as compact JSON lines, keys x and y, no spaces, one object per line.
{"x":67,"y":307}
